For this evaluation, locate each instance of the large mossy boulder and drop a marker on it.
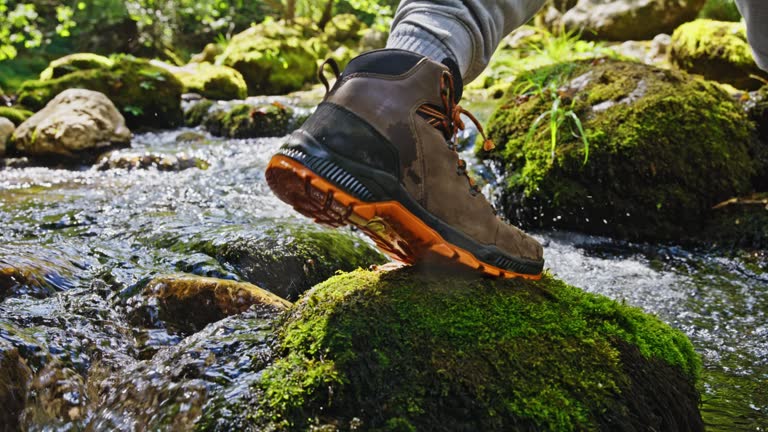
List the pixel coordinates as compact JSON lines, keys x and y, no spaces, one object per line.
{"x":148,"y":96}
{"x":663,"y":149}
{"x":409,"y":350}
{"x":208,"y":80}
{"x":718,"y":50}
{"x":77,"y":124}
{"x":623,"y":20}
{"x":273,"y":57}
{"x":73,"y":63}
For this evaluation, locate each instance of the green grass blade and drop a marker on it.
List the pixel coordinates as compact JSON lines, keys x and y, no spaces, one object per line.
{"x":581,"y":132}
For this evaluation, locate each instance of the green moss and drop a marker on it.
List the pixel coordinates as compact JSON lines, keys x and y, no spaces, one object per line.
{"x":273,"y":58}
{"x":344,"y":28}
{"x":247,"y":121}
{"x":195,"y":114}
{"x":146,"y":95}
{"x":73,"y":63}
{"x":721,"y":10}
{"x":406,"y":349}
{"x":663,"y":149}
{"x":16,"y":115}
{"x":739,"y":223}
{"x":717,"y":50}
{"x":213,"y":82}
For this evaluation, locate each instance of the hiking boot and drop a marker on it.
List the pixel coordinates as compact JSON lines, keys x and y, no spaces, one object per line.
{"x":379,"y":153}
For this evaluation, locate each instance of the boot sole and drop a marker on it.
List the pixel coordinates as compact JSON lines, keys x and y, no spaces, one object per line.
{"x":395,"y":230}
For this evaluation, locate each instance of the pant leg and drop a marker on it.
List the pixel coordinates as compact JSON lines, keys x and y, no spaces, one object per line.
{"x":468,"y":30}
{"x":755,"y":13}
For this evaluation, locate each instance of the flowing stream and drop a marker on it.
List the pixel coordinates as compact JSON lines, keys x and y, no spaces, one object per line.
{"x":76,"y":226}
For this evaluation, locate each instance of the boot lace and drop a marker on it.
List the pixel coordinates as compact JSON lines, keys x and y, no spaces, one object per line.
{"x":451,"y":123}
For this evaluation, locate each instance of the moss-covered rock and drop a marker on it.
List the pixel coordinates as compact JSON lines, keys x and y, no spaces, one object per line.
{"x":718,"y":50}
{"x":721,"y":10}
{"x":284,"y":258}
{"x":158,"y":161}
{"x":343,"y":29}
{"x":757,"y":108}
{"x":249,"y":121}
{"x":739,"y":223}
{"x":148,"y":96}
{"x":73,"y":63}
{"x":273,"y":57}
{"x":188,"y":303}
{"x":210,"y":81}
{"x":411,"y":350}
{"x":197,"y":111}
{"x":15,"y":114}
{"x":663,"y":149}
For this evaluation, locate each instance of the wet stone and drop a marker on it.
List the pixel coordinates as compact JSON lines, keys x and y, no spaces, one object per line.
{"x":204,"y":381}
{"x":187,"y":303}
{"x":14,"y":380}
{"x":37,"y":272}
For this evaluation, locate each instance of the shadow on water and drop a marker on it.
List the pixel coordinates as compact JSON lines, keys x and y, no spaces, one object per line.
{"x":77,"y":242}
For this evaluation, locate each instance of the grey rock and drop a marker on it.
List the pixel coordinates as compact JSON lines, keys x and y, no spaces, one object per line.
{"x":76,"y":121}
{"x":629,"y":19}
{"x":6,"y":131}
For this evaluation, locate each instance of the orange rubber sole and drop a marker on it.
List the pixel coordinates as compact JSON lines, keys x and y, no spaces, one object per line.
{"x":394,"y":229}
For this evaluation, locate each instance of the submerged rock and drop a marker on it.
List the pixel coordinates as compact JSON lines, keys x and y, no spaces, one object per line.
{"x":717,"y":50}
{"x":148,"y":96}
{"x":204,"y":382}
{"x":663,"y":149}
{"x":161,"y":162}
{"x":188,"y":303}
{"x":629,"y":19}
{"x":409,"y":349}
{"x":75,"y":123}
{"x":15,"y":376}
{"x":31,"y":270}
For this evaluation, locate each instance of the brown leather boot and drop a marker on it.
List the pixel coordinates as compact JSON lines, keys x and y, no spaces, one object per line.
{"x":379,"y":153}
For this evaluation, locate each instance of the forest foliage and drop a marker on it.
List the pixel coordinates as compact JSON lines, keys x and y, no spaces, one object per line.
{"x":162,"y":28}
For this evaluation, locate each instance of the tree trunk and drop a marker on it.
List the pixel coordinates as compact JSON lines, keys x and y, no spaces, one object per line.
{"x":326,"y":17}
{"x":290,"y":10}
